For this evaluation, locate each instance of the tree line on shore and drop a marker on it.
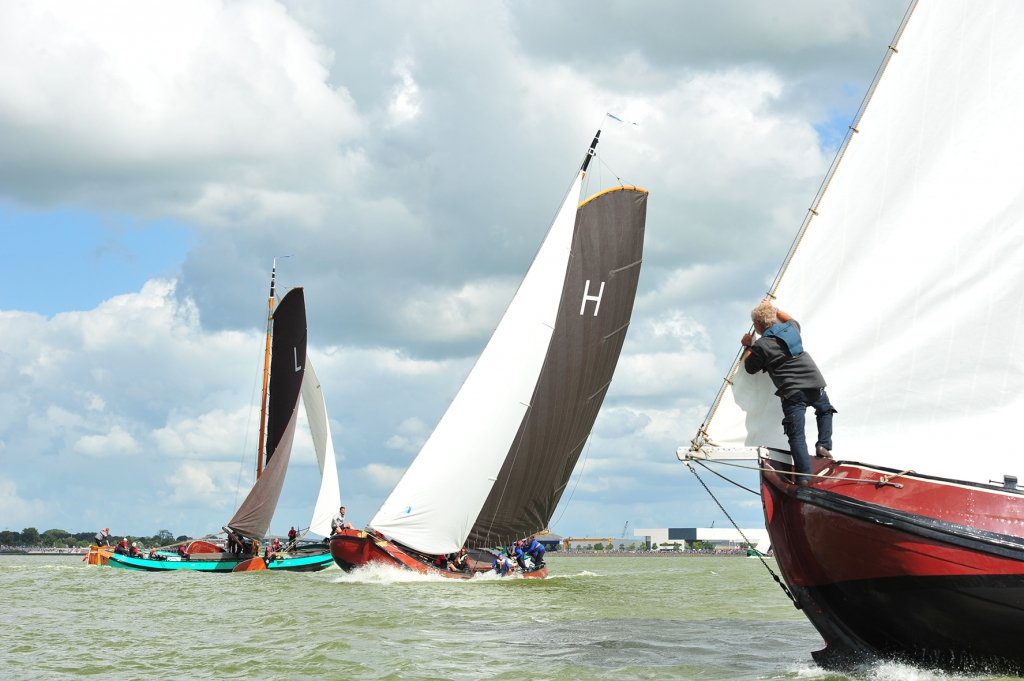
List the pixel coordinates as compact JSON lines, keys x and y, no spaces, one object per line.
{"x":30,"y":537}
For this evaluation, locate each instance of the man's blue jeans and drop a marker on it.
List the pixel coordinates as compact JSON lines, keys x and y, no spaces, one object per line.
{"x":794,"y":409}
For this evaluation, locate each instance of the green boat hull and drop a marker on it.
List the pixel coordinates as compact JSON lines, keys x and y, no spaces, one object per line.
{"x":310,"y":563}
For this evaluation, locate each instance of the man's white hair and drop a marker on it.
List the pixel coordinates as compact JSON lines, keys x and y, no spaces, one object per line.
{"x":765,"y":314}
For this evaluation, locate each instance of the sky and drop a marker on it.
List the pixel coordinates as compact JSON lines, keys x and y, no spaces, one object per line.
{"x":408,"y":158}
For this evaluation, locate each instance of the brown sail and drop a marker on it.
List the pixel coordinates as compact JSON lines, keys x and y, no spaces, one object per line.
{"x":287,"y":367}
{"x":593,"y":316}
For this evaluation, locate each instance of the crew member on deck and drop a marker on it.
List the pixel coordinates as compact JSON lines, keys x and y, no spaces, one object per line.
{"x":461,"y":560}
{"x":535,"y":550}
{"x":103,"y":537}
{"x":292,"y":534}
{"x":122,"y":547}
{"x":339,"y":523}
{"x":516,"y":551}
{"x":779,"y":352}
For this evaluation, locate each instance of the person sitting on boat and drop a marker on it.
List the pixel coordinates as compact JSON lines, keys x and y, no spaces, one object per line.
{"x":441,"y":562}
{"x":339,"y":523}
{"x":103,"y":537}
{"x":135,"y":551}
{"x":183,"y":552}
{"x":460,"y":562}
{"x":122,"y":547}
{"x":779,"y":352}
{"x":535,"y":550}
{"x":503,"y":564}
{"x":516,"y":551}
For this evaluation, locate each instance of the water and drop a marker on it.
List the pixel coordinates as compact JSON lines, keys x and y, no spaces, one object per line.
{"x":596,"y":618}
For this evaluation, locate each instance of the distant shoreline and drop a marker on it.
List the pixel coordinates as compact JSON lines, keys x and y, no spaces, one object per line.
{"x":647,"y":554}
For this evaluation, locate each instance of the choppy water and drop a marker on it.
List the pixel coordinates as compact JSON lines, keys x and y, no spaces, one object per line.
{"x":597,"y":618}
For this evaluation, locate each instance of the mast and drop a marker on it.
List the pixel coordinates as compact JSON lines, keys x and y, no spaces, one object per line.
{"x":266,"y":374}
{"x":591,"y":152}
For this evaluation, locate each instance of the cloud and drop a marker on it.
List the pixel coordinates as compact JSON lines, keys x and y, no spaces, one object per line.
{"x":117,"y":441}
{"x":216,"y":434}
{"x":219,"y":91}
{"x":16,"y":510}
{"x":411,"y":435}
{"x":383,"y":475}
{"x":210,"y":485}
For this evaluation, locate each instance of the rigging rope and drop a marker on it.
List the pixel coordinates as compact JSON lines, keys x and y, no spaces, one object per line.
{"x":785,"y":589}
{"x":883,"y":480}
{"x":712,"y":470}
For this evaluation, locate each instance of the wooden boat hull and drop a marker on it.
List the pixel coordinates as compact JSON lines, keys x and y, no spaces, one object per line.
{"x":99,"y":555}
{"x":923,"y":570}
{"x":356,"y":548}
{"x":302,"y":563}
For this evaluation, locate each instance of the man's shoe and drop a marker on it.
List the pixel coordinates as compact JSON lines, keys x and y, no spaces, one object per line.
{"x":803,"y":482}
{"x":822,"y":453}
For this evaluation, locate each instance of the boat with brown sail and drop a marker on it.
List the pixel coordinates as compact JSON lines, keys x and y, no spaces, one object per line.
{"x":495,"y":467}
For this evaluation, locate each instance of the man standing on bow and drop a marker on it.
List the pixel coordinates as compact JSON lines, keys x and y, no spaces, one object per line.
{"x":103,"y":537}
{"x":799,"y":384}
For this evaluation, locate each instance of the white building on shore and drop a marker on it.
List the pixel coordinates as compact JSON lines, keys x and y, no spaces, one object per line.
{"x":719,"y":537}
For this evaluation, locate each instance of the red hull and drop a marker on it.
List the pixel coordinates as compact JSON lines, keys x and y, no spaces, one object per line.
{"x":355,"y":548}
{"x":925,"y":570}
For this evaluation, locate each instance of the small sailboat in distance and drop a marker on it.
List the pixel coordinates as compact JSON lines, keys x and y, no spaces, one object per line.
{"x":494,"y":468}
{"x":906,"y":277}
{"x":288,"y":374}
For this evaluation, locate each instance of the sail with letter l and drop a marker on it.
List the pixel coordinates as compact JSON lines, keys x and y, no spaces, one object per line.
{"x":494,"y":429}
{"x":907,"y":277}
{"x":287,"y":368}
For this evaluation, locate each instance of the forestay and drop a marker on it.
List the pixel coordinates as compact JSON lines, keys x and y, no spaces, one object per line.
{"x":908,"y":280}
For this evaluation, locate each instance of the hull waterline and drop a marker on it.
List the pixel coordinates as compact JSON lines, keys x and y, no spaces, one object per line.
{"x":903,"y":567}
{"x":352,"y":549}
{"x":307,"y":563}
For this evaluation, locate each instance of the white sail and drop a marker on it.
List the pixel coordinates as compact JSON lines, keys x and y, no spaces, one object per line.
{"x":329,"y":498}
{"x":435,"y":504}
{"x":908,"y":280}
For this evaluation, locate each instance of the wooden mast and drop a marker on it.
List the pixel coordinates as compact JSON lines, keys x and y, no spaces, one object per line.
{"x":266,"y":374}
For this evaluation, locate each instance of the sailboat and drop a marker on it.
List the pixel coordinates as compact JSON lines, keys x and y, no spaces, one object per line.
{"x":288,"y":374}
{"x":906,"y":277}
{"x":494,"y":468}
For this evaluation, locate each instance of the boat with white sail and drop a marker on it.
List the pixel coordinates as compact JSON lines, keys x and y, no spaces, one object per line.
{"x":494,"y":468}
{"x":906,"y":277}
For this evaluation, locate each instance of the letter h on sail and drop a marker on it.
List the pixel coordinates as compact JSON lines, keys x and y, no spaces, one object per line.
{"x":587,"y":297}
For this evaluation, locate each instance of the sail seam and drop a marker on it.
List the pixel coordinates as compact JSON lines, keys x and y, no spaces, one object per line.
{"x":599,"y":391}
{"x":615,"y":332}
{"x":811,"y":212}
{"x":626,"y":267}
